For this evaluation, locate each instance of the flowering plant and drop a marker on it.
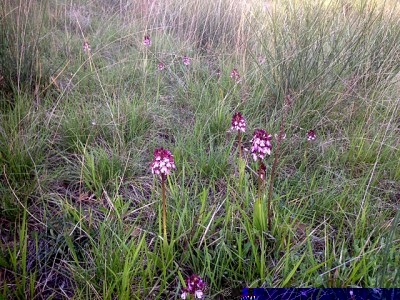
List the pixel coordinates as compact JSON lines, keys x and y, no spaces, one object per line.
{"x":195,"y":286}
{"x":162,"y":165}
{"x":147,"y":41}
{"x":311,"y":135}
{"x":86,"y":47}
{"x":238,"y":122}
{"x":163,"y":162}
{"x":186,"y":60}
{"x":235,"y":75}
{"x":261,"y":144}
{"x":260,"y":147}
{"x":161,"y":66}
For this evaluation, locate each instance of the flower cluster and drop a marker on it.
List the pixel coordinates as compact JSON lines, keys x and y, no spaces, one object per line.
{"x":311,"y":136}
{"x":235,"y":75}
{"x":261,"y":144}
{"x":238,"y":122}
{"x":161,"y":66}
{"x":218,"y":73}
{"x":163,"y":162}
{"x":262,"y":171}
{"x":195,"y":286}
{"x":86,"y":47}
{"x":186,"y":60}
{"x":147,"y":41}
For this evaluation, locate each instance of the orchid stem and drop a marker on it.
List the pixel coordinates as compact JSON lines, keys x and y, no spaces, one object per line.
{"x":259,"y":216}
{"x":163,"y":177}
{"x":240,"y":144}
{"x":260,"y":181}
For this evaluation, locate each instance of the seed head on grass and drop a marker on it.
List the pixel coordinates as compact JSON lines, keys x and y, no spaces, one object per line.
{"x":186,"y":60}
{"x":311,"y":135}
{"x":147,"y":41}
{"x":195,"y":286}
{"x":260,"y":144}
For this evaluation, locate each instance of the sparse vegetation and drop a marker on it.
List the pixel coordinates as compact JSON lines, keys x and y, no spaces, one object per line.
{"x":89,"y":89}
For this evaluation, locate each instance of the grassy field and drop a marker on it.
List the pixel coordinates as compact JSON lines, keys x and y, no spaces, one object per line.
{"x":84,"y":103}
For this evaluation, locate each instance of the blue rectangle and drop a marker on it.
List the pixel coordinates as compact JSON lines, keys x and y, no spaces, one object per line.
{"x":317,"y":294}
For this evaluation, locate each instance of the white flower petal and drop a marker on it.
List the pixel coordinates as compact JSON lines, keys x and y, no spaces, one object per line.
{"x":198,"y":294}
